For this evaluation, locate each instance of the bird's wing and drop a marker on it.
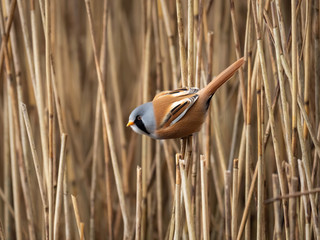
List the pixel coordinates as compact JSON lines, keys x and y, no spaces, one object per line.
{"x":177,"y":93}
{"x":178,"y":105}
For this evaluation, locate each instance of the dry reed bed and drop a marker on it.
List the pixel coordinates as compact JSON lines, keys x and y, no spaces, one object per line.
{"x":71,"y":72}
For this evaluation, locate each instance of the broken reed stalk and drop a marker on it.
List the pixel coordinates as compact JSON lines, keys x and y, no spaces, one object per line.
{"x":77,"y":216}
{"x":235,"y":131}
{"x":14,"y":171}
{"x":36,"y":83}
{"x":204,"y":197}
{"x":66,"y":206}
{"x":61,"y":175}
{"x":276,"y":206}
{"x":6,"y":168}
{"x":138,"y":203}
{"x":235,"y":199}
{"x":177,"y":200}
{"x":43,"y":191}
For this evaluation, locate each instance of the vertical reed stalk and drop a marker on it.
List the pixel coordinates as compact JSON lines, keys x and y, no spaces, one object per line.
{"x":108,"y":184}
{"x":159,"y":191}
{"x":50,"y":113}
{"x":108,"y":126}
{"x":260,"y":215}
{"x":235,"y":199}
{"x":306,"y":58}
{"x":276,"y":206}
{"x":294,"y":60}
{"x":306,"y":203}
{"x":171,"y":42}
{"x":177,"y":198}
{"x":43,"y":192}
{"x":238,"y":55}
{"x":18,"y":142}
{"x":190,"y":44}
{"x":199,"y":45}
{"x":6,"y":168}
{"x":138,"y":204}
{"x":204,"y":198}
{"x":77,"y":216}
{"x":61,"y":175}
{"x":117,"y":103}
{"x":283,"y":93}
{"x":66,"y":206}
{"x":187,"y":201}
{"x":271,"y":116}
{"x":35,"y":77}
{"x":227,"y":203}
{"x":182,"y":49}
{"x":293,"y":208}
{"x":14,"y":173}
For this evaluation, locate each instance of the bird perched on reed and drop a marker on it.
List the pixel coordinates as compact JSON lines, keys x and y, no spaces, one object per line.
{"x":178,"y":113}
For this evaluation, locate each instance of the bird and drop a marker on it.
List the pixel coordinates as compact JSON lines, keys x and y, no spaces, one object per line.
{"x":178,"y":113}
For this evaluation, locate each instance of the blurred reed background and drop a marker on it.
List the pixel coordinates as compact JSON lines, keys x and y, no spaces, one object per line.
{"x":72,"y":71}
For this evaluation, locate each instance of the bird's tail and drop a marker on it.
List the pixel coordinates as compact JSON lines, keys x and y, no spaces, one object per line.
{"x":223,"y":77}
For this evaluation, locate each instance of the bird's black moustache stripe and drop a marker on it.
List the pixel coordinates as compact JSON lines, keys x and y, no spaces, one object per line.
{"x":141,"y":126}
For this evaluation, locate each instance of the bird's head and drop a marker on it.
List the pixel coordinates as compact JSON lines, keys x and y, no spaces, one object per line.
{"x":142,"y":120}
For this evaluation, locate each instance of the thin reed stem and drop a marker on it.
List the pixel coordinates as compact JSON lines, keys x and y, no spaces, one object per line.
{"x":108,"y":127}
{"x":227,"y":202}
{"x":204,"y":198}
{"x":138,"y":203}
{"x":61,"y":175}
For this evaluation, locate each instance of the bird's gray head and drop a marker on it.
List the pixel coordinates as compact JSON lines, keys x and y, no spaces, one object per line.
{"x":142,"y":120}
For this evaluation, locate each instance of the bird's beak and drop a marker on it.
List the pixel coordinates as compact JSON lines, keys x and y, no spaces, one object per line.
{"x":130,"y":123}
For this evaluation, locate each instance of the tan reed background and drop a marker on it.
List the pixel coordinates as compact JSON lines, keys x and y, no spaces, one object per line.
{"x":72,"y":71}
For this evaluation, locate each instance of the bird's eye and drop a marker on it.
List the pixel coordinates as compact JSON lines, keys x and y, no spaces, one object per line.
{"x":139,"y":118}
